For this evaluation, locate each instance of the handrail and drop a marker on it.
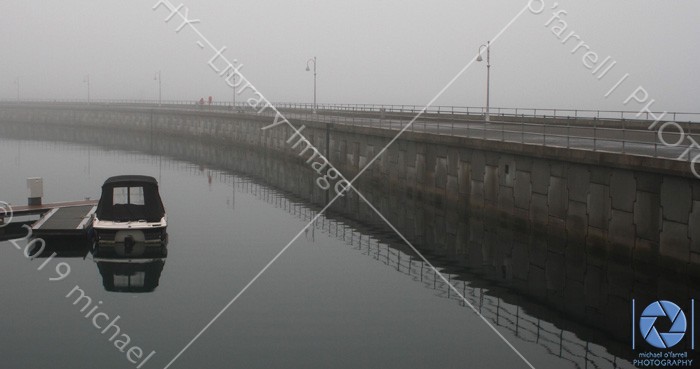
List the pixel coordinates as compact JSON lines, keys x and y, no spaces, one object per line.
{"x":443,"y":110}
{"x":565,"y":134}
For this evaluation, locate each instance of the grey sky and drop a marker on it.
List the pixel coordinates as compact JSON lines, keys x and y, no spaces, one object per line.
{"x":369,"y":51}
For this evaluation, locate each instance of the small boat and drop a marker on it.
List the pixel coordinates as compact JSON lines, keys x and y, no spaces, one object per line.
{"x":130,"y":211}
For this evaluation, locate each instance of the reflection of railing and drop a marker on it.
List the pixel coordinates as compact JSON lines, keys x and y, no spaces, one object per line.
{"x":622,"y":132}
{"x":509,"y":317}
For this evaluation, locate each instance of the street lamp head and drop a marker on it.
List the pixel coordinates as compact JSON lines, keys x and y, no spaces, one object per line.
{"x":308,"y":62}
{"x":481,"y":51}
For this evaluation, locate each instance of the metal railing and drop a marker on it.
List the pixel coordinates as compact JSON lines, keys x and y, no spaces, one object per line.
{"x":586,"y":114}
{"x":444,"y":110}
{"x":594,"y":137}
{"x":569,"y":133}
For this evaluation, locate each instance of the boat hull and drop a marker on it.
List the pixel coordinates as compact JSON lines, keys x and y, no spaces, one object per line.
{"x":130,"y":232}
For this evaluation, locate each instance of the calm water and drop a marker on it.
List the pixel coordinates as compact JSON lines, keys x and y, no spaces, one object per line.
{"x":346,"y":294}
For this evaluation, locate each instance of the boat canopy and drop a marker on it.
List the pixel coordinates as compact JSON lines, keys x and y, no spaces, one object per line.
{"x":129,"y":199}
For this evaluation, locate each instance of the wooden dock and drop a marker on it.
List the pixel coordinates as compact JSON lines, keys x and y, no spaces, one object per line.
{"x":59,"y":219}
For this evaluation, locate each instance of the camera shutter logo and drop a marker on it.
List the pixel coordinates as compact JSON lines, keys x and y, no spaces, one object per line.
{"x":662,"y":309}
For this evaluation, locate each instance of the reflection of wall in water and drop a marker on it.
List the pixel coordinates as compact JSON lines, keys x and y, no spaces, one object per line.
{"x":509,"y":309}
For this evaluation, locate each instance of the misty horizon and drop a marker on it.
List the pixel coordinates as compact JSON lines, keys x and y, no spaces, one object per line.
{"x":381,"y":52}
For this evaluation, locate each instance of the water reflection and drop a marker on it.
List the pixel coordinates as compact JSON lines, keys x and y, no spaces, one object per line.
{"x":509,"y":308}
{"x":61,"y":248}
{"x":130,"y":269}
{"x":570,"y":299}
{"x":123,"y":268}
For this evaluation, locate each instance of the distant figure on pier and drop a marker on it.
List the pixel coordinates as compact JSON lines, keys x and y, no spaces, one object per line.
{"x":201,"y":101}
{"x":210,"y":99}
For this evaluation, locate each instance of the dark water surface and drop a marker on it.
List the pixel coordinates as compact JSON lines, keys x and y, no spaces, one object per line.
{"x":347,"y":293}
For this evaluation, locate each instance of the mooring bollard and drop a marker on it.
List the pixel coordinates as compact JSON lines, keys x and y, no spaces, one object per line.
{"x":36,"y":190}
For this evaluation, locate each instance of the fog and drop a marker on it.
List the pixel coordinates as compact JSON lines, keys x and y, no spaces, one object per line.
{"x":369,"y":51}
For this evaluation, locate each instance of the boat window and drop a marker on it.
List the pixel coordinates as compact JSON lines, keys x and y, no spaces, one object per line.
{"x":137,"y":279}
{"x":136,"y":196}
{"x":120,"y":196}
{"x":128,"y":195}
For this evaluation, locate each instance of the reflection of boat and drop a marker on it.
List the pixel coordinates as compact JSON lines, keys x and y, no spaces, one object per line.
{"x":127,"y":268}
{"x":124,"y":267}
{"x":130,"y":211}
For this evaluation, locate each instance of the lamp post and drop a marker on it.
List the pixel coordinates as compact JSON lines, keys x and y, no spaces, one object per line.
{"x":158,"y":78}
{"x":488,"y":75}
{"x":87,"y":80}
{"x":308,"y":69}
{"x":233,"y":74}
